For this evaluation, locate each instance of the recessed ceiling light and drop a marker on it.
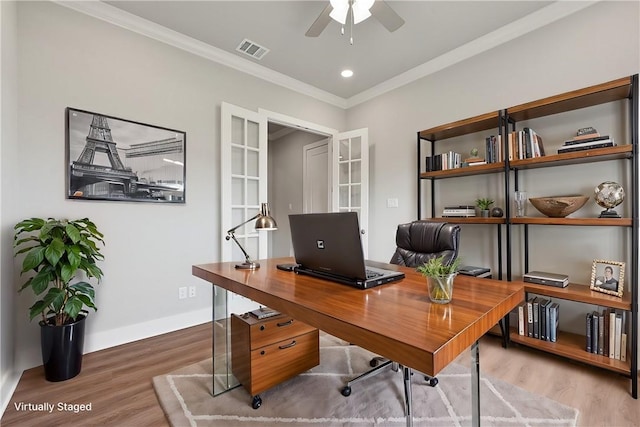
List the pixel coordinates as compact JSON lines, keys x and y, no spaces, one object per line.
{"x":346,"y":73}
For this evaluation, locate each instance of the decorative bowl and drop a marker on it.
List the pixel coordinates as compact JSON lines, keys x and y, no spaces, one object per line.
{"x":560,"y":206}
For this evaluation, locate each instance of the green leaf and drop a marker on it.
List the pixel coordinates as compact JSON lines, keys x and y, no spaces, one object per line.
{"x":73,"y":307}
{"x":33,"y":259}
{"x":73,"y":255}
{"x":72,"y":232}
{"x":36,"y":309}
{"x":86,"y":301}
{"x":41,"y":280}
{"x":54,"y":251}
{"x":84,"y":288}
{"x":93,"y":271}
{"x":55,"y":299}
{"x":67,"y":272}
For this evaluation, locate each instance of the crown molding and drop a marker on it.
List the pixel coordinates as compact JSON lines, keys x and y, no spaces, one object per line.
{"x":134,"y":23}
{"x":522,"y":26}
{"x":126,"y":20}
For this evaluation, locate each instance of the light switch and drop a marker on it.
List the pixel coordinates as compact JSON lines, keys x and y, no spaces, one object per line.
{"x":392,"y":203}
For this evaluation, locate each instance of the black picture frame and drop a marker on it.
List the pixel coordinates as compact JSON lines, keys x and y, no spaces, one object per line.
{"x":110,"y":158}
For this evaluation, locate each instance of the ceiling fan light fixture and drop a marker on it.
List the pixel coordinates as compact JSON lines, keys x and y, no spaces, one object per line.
{"x":361,"y":10}
{"x":340,"y":10}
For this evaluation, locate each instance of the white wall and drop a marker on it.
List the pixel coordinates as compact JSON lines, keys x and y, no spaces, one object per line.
{"x":8,"y":158}
{"x":69,"y":59}
{"x":566,"y":55}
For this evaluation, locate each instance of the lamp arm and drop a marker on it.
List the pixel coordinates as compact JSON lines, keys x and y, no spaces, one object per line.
{"x":231,"y":235}
{"x":230,"y":231}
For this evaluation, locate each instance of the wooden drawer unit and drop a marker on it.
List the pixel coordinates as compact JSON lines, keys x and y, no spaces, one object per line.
{"x":267,"y":352}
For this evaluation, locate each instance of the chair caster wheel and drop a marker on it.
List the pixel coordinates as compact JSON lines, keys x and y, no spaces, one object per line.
{"x":373,"y":363}
{"x":256,"y":402}
{"x":346,"y":391}
{"x":432,"y":381}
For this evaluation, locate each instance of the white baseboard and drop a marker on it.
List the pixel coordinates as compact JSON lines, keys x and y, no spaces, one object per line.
{"x":114,"y":337}
{"x":138,"y":331}
{"x":8,"y":385}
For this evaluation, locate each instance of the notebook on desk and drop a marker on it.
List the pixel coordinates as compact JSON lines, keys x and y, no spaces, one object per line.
{"x":328,"y":246}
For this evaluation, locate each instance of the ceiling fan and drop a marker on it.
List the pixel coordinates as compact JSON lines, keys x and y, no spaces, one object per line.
{"x":352,"y":12}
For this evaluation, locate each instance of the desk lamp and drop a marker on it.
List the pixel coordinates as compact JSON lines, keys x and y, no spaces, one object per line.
{"x":264,"y":221}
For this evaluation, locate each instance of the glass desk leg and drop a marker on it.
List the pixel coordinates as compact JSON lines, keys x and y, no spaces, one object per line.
{"x":223,"y":379}
{"x":475,"y":385}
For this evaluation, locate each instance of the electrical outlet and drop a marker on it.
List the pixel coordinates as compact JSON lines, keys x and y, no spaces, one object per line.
{"x":192,"y":291}
{"x":182,"y":292}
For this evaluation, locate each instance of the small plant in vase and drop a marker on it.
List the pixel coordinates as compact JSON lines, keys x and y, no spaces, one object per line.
{"x":439,"y":275}
{"x":484,"y":204}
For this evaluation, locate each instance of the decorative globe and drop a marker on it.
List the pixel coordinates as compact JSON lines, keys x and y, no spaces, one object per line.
{"x":609,"y":194}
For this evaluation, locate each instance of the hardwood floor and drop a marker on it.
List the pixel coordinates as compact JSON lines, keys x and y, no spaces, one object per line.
{"x":117,"y":383}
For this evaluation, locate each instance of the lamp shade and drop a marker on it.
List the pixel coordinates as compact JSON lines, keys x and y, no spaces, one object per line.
{"x":265,"y":221}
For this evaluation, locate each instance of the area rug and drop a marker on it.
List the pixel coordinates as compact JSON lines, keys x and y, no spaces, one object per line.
{"x":314,"y":399}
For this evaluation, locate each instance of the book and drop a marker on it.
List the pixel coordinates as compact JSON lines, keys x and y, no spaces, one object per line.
{"x":594,"y":332}
{"x":530,"y":317}
{"x":521,"y":319}
{"x":618,"y":335}
{"x":605,"y":314}
{"x":588,"y":330}
{"x":543,"y":318}
{"x":554,"y":319}
{"x":536,"y":314}
{"x":586,"y":139}
{"x":470,"y":270}
{"x":612,"y":333}
{"x":601,"y":334}
{"x":264,"y":313}
{"x":623,"y":347}
{"x":588,"y":146}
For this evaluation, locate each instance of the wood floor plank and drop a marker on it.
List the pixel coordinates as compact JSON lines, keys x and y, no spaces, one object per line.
{"x":118,"y":383}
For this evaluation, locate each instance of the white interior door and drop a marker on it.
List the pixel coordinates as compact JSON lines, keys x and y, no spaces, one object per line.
{"x":315,"y":177}
{"x":243,"y":161}
{"x":350,"y":180}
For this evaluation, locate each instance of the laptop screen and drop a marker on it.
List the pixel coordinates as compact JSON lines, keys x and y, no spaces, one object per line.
{"x":329,"y":243}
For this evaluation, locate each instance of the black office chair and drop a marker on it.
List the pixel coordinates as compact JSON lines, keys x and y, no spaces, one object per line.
{"x":416,"y":242}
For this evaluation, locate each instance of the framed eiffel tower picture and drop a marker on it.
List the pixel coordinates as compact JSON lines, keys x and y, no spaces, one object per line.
{"x":117,"y":159}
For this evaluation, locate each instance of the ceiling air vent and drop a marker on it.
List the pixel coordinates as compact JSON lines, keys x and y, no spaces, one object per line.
{"x":252,"y":49}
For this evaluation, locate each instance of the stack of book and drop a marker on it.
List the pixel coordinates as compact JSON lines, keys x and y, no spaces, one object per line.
{"x":459,"y":211}
{"x":493,"y":149}
{"x":538,"y":318}
{"x":473,"y":161}
{"x":544,"y":278}
{"x":606,"y":333}
{"x":586,"y":139}
{"x":443,"y":161}
{"x":525,"y":144}
{"x":469,"y":270}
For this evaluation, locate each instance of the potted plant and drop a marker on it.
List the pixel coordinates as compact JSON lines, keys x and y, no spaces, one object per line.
{"x":440,"y":275}
{"x":484,"y":204}
{"x":56,"y":250}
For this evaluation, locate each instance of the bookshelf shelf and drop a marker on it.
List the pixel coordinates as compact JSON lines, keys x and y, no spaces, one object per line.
{"x":471,"y":170}
{"x":571,"y":346}
{"x":612,"y":222}
{"x":581,"y":293}
{"x":468,"y":220}
{"x":575,"y":157}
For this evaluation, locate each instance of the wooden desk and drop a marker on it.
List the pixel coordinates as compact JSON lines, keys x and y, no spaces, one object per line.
{"x":396,"y":320}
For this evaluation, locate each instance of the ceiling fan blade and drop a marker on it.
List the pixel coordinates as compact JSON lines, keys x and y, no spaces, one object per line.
{"x":320,"y":23}
{"x":387,"y":16}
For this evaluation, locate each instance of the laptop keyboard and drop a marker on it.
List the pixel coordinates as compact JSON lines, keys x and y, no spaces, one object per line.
{"x":371,"y":274}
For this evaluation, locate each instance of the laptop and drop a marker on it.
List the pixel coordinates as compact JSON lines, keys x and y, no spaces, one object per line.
{"x":328,"y":246}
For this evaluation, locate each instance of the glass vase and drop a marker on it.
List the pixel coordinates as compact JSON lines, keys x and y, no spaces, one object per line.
{"x":441,"y":288}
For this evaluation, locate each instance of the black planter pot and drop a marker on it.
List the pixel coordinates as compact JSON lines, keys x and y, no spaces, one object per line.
{"x":62,"y":349}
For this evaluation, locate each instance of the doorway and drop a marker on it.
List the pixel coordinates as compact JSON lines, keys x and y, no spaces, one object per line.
{"x":298,"y":178}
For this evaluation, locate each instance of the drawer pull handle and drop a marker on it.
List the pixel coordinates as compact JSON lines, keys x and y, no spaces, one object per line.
{"x":287,"y":323}
{"x":282,"y":347}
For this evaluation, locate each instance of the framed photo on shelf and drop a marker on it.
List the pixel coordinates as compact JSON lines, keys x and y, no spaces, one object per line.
{"x":117,"y":159}
{"x":607,"y":277}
